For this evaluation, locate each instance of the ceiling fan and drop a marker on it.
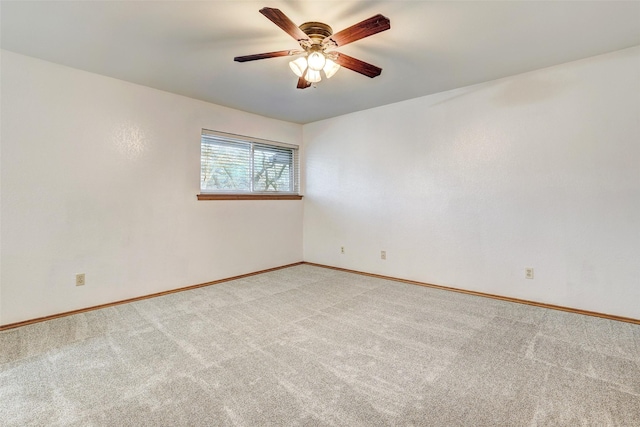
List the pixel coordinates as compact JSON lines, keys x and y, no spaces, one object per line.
{"x":317,"y":41}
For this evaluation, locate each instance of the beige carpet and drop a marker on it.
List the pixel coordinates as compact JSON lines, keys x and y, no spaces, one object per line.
{"x":317,"y":347}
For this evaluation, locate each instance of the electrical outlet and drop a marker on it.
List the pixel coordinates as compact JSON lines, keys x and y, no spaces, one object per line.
{"x":528,"y":273}
{"x":80,"y":279}
{"x":341,"y":249}
{"x":383,"y":254}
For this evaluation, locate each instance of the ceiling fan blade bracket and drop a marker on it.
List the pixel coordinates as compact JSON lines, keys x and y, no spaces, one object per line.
{"x":328,"y":43}
{"x":332,"y":55}
{"x":305,"y":44}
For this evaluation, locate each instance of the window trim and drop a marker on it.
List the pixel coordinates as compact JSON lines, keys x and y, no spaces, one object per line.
{"x":251,"y":195}
{"x":254,"y":196}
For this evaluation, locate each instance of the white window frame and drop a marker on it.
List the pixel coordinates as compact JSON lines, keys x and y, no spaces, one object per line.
{"x":209,"y":194}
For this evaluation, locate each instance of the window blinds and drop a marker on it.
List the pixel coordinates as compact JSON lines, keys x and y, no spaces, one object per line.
{"x":237,"y":164}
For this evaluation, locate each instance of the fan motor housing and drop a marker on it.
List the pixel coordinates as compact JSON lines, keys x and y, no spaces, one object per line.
{"x":317,"y":31}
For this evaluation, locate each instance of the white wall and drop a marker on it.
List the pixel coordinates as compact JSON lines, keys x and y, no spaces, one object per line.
{"x":100,"y":176}
{"x":467,"y":188}
{"x":463,"y":188}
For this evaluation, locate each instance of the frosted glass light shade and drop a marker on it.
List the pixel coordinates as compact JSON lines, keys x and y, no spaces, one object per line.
{"x":312,"y":76}
{"x":298,"y":66}
{"x":330,"y":68}
{"x":316,"y":61}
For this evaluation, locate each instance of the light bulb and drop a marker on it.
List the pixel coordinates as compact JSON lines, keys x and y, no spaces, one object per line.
{"x":312,"y":76}
{"x":298,"y":66}
{"x":316,"y":61}
{"x":330,"y":68}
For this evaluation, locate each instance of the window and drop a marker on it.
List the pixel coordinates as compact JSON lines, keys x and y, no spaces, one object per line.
{"x":239,"y":167}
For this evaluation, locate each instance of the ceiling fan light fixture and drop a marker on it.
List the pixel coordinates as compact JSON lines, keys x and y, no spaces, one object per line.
{"x":330,"y":68}
{"x":316,"y":61}
{"x":312,"y":76}
{"x":299,"y":66}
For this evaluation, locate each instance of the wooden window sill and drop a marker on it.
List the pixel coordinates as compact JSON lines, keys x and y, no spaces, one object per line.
{"x":249,"y":197}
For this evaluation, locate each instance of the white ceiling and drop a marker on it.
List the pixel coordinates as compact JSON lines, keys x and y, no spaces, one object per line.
{"x":188,"y":47}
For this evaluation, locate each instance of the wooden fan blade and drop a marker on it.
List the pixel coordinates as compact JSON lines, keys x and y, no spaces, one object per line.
{"x":302,"y":83}
{"x":358,"y":66}
{"x":265,"y":55}
{"x":363,"y":29}
{"x":281,"y":20}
